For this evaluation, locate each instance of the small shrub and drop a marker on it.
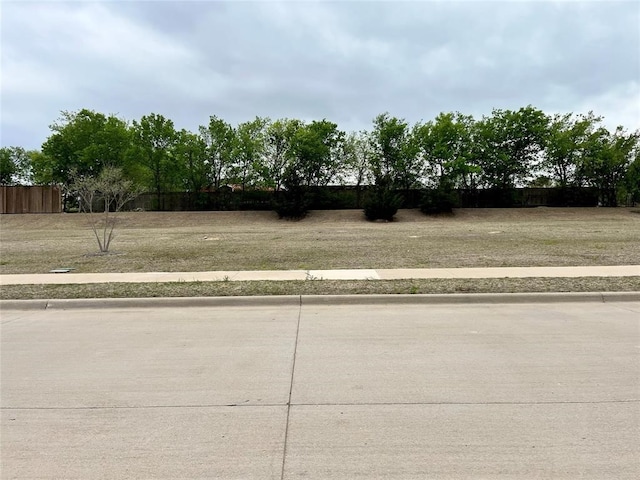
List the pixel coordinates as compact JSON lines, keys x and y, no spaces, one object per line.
{"x":293,"y":202}
{"x":290,"y":210}
{"x":437,"y":201}
{"x":291,"y":205}
{"x":383,"y":204}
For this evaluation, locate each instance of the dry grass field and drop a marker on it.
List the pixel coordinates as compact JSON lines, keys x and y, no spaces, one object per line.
{"x":202,"y":241}
{"x":322,"y":287}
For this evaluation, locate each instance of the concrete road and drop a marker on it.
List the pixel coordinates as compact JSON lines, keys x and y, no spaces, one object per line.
{"x":538,"y":390}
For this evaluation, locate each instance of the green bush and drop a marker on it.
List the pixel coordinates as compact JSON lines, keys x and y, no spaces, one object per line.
{"x":437,"y":201}
{"x":292,"y":204}
{"x":383,"y":204}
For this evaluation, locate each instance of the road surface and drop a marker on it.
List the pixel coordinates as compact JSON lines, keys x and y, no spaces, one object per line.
{"x":544,"y":390}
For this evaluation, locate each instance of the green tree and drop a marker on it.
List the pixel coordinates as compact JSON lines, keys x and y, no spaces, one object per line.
{"x":278,"y":152}
{"x":15,"y":166}
{"x":313,"y":161}
{"x":607,"y":160}
{"x":154,"y":138}
{"x":509,"y":144}
{"x":315,"y":154}
{"x":446,"y":148}
{"x":248,"y":152}
{"x":85,"y":142}
{"x":445,"y":145}
{"x":568,"y":140}
{"x":632,"y":178}
{"x":394,"y":162}
{"x":42,"y":168}
{"x":190,"y":153}
{"x":219,"y":137}
{"x":357,"y":153}
{"x":7,"y":166}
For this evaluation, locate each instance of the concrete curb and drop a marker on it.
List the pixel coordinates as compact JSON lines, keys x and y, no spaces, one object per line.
{"x":471,"y":298}
{"x":320,"y":300}
{"x":157,"y":302}
{"x":621,"y":296}
{"x":23,"y":304}
{"x":174,"y":302}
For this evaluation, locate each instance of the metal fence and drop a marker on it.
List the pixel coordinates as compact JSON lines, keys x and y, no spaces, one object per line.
{"x":344,"y":197}
{"x":21,"y":199}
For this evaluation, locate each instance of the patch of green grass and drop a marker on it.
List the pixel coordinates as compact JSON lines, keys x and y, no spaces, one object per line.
{"x":324,"y":287}
{"x":551,"y":242}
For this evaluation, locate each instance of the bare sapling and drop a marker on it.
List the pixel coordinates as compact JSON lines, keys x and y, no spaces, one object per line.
{"x":101,"y":198}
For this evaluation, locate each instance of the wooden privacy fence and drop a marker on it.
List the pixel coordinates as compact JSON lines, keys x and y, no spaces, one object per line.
{"x":20,"y":199}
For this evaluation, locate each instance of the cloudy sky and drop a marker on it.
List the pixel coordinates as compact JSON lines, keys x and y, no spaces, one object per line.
{"x":346,"y":61}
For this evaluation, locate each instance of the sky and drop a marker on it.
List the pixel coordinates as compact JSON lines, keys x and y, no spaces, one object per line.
{"x":346,"y":61}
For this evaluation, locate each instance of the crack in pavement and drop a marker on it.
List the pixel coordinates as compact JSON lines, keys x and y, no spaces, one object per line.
{"x":323,"y":404}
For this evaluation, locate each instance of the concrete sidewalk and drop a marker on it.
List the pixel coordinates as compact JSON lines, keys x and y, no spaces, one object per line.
{"x":356,"y":274}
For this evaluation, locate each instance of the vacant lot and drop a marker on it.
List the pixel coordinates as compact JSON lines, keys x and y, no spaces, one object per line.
{"x":201,"y":241}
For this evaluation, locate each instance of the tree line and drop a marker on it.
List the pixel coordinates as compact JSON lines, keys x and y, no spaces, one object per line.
{"x":500,"y":151}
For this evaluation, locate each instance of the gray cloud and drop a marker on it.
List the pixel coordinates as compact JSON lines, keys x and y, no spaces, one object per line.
{"x":344,"y":61}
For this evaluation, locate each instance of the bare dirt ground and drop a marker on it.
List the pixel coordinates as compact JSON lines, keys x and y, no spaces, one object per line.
{"x":202,"y":241}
